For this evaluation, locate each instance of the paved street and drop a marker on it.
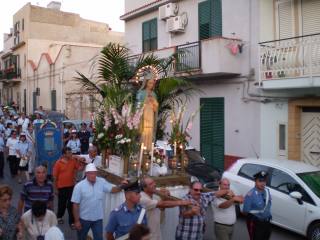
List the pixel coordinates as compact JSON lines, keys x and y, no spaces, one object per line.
{"x":240,"y":229}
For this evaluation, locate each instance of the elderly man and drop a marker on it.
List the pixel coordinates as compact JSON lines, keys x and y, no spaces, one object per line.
{"x":225,"y":212}
{"x":92,"y":156}
{"x":154,"y":205}
{"x":123,"y":218}
{"x":191,"y":220}
{"x":88,"y":203}
{"x":38,"y":189}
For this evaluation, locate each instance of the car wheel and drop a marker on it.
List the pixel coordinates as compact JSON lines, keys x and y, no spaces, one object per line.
{"x":314,"y":231}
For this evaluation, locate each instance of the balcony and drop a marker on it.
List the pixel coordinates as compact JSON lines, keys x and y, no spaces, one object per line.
{"x":209,"y":58}
{"x":290,"y":63}
{"x":10,"y":74}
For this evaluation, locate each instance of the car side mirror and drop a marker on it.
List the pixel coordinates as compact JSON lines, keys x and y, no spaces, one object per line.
{"x":297,"y":195}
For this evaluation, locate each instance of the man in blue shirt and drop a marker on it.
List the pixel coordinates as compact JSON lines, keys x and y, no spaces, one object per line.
{"x":257,"y":206}
{"x":88,"y":203}
{"x":123,"y":218}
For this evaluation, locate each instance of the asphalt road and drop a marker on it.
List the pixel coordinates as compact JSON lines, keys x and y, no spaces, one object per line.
{"x":239,"y":234}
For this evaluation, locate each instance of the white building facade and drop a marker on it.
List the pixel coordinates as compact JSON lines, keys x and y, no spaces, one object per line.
{"x":220,"y":41}
{"x":289,"y":77}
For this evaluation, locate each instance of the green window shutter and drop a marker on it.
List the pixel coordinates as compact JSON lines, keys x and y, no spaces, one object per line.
{"x":204,"y":19}
{"x":25,"y":100}
{"x":53,"y":100}
{"x":210,"y":19}
{"x":149,"y":35}
{"x":212,"y":131}
{"x":216,"y":18}
{"x":34,"y":100}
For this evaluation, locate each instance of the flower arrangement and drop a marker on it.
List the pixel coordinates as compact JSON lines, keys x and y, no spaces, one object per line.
{"x":119,"y":131}
{"x":179,"y":136}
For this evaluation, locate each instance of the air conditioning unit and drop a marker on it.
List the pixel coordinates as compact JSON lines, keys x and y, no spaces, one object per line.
{"x":168,"y":10}
{"x":175,"y":24}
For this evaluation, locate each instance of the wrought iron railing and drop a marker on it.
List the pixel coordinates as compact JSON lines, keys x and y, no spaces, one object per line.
{"x":188,"y":57}
{"x":10,"y":73}
{"x":290,"y":58}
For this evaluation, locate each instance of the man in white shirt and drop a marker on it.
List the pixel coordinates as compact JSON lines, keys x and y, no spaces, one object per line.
{"x":92,"y":156}
{"x":154,"y":205}
{"x":225,"y":212}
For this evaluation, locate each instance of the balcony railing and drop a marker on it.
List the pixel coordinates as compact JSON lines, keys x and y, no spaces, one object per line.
{"x":290,"y":58}
{"x":189,"y":57}
{"x":10,"y":73}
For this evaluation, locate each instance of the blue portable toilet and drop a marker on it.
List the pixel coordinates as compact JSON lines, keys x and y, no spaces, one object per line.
{"x":49,"y":144}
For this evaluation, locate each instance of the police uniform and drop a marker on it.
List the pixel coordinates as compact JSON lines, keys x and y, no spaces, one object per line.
{"x":122,"y":219}
{"x":257,"y":206}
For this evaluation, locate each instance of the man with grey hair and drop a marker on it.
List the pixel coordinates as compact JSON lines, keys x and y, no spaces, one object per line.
{"x":92,"y":156}
{"x":225,"y":212}
{"x":38,"y":189}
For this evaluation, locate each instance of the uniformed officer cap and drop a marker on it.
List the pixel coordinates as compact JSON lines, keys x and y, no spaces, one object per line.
{"x":262,"y":175}
{"x":132,"y":187}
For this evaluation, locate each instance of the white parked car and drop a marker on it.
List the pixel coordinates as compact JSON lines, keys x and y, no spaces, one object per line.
{"x":294,"y":188}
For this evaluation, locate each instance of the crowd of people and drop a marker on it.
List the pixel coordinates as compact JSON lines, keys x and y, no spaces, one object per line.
{"x":137,"y":218}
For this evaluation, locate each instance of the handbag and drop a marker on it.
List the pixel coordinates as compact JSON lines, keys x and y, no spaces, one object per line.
{"x":23,"y":161}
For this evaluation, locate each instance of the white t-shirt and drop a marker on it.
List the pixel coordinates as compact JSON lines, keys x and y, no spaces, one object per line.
{"x":153,"y":214}
{"x":224,"y":215}
{"x":24,"y":123}
{"x":33,"y":228}
{"x":96,"y":160}
{"x":11,"y":144}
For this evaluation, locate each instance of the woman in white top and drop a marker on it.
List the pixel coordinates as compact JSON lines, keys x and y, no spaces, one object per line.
{"x":74,"y":142}
{"x":37,"y":221}
{"x":12,"y":154}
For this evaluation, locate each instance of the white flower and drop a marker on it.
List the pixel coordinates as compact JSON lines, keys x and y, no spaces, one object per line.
{"x":100,"y":135}
{"x":128,"y":140}
{"x":118,"y":136}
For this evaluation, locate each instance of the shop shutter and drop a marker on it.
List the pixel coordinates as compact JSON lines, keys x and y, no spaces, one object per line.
{"x":310,"y":17}
{"x":212,"y":131}
{"x":53,"y":100}
{"x":285,"y":19}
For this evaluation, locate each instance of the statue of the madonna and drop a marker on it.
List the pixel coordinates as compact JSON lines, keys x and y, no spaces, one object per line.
{"x":147,"y":99}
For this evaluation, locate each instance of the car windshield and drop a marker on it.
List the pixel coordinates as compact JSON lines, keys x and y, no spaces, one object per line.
{"x":312,"y":179}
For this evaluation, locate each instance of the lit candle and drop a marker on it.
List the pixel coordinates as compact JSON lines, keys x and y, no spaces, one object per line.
{"x":151,"y":165}
{"x":175,"y":148}
{"x":140,"y":159}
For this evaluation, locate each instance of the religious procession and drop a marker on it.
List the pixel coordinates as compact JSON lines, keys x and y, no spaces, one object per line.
{"x":179,"y":125}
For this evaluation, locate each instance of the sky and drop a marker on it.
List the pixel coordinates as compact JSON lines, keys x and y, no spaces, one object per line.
{"x":107,"y":11}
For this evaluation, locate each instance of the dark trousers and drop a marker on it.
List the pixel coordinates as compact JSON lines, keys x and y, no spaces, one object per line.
{"x":95,"y":226}
{"x":64,"y":201}
{"x":13,"y":165}
{"x":1,"y":164}
{"x":259,"y":230}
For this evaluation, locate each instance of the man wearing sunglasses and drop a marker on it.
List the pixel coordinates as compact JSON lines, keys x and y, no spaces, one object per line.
{"x":191,"y":220}
{"x":257,"y":206}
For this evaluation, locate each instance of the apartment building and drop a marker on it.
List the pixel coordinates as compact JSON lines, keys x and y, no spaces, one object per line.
{"x":49,"y":46}
{"x":220,"y":58}
{"x":289,"y":74}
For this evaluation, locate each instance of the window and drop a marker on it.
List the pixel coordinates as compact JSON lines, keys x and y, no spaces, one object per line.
{"x":250,"y":169}
{"x":149,"y":35}
{"x":284,"y":183}
{"x":282,"y":139}
{"x":210,"y":19}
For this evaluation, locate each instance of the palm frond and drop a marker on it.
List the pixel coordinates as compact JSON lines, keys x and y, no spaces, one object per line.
{"x":88,"y":85}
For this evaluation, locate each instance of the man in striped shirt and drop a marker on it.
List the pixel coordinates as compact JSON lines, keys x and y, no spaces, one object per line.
{"x":38,"y":189}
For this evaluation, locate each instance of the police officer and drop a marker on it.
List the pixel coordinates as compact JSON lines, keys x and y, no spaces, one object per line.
{"x":257,"y":205}
{"x":123,"y":218}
